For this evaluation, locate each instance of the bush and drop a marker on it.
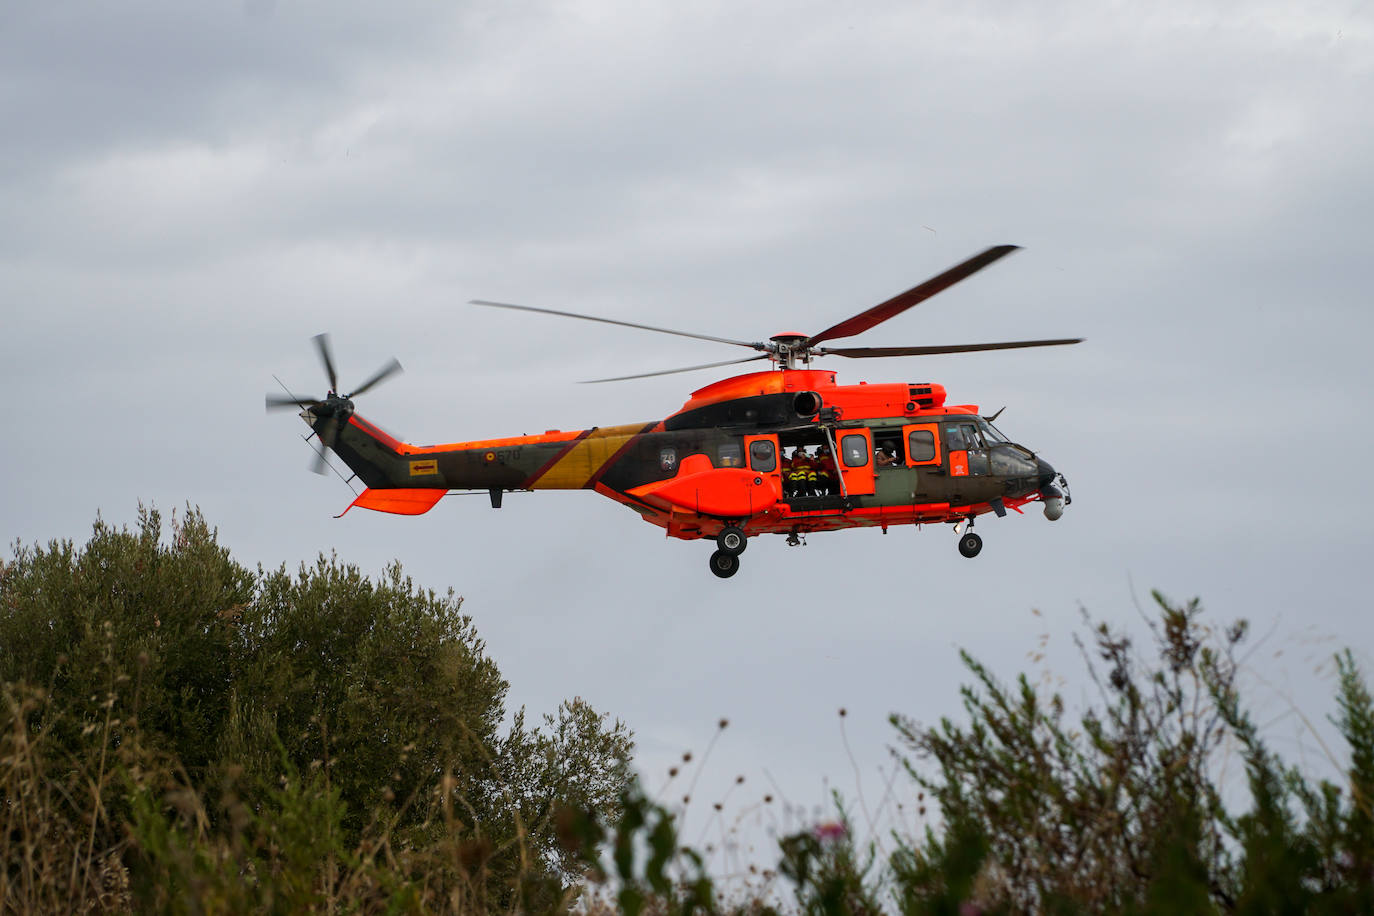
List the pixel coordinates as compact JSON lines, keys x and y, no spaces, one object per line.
{"x":1120,"y":810}
{"x":171,"y":716}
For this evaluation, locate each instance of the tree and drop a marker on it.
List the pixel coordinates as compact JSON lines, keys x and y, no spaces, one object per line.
{"x":375,"y":700}
{"x":127,"y":614}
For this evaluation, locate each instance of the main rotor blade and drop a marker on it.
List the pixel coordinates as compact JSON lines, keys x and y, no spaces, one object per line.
{"x":280,"y":402}
{"x":622,"y":378}
{"x":865,"y":352}
{"x":914,"y":296}
{"x":322,"y":344}
{"x":386,"y":371}
{"x":627,"y":324}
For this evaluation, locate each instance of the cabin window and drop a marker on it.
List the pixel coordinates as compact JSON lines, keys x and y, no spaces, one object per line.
{"x":729,"y":455}
{"x":855,"y":451}
{"x":921,"y":445}
{"x":762,"y":456}
{"x":667,"y":458}
{"x":887,"y":448}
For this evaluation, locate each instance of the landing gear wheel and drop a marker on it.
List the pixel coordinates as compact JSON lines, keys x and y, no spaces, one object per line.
{"x":970,"y":545}
{"x":732,"y":540}
{"x":724,"y":564}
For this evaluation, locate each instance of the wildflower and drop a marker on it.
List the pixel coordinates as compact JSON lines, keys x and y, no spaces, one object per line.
{"x":830,"y":830}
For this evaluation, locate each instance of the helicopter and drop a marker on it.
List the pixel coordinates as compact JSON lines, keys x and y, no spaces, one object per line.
{"x":787,"y":450}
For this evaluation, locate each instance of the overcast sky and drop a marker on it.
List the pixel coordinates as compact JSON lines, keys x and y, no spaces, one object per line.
{"x":189,"y":192}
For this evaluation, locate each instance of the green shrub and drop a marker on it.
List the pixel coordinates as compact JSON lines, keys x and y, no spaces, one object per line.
{"x":171,"y":715}
{"x":1119,"y":811}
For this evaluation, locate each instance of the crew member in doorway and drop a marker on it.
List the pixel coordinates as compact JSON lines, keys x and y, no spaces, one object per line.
{"x":801,"y":472}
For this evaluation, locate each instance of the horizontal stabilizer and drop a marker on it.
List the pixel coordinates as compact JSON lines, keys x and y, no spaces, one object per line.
{"x":397,"y":501}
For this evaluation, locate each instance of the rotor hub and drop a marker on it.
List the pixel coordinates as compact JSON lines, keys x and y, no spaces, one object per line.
{"x":789,"y":349}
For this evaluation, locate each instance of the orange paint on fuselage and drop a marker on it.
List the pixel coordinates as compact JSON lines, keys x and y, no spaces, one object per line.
{"x":506,"y":442}
{"x":855,"y":402}
{"x":405,"y":448}
{"x":779,"y":519}
{"x":700,"y":506}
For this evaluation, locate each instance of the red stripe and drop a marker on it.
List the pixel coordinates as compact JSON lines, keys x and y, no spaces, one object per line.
{"x":376,"y":433}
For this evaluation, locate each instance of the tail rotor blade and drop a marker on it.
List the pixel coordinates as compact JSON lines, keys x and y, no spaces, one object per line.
{"x":282,"y":402}
{"x":322,"y":344}
{"x":328,"y":437}
{"x":385,"y":372}
{"x":317,"y":465}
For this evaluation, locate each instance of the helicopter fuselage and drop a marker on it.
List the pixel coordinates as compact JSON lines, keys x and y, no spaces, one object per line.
{"x":875,"y":455}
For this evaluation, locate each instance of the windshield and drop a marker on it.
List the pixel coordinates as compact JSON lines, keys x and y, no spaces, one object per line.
{"x":990,"y":432}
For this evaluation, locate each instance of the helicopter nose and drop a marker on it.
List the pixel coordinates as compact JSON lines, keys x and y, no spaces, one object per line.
{"x":1053,"y":498}
{"x":1045,"y":472}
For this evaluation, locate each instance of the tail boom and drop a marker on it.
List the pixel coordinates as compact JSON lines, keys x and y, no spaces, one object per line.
{"x":409,"y":480}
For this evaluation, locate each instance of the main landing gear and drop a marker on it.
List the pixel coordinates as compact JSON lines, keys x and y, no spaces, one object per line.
{"x":731,"y":542}
{"x":970,"y":544}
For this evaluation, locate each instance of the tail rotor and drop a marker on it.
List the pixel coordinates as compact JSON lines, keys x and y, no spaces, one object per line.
{"x":328,"y":415}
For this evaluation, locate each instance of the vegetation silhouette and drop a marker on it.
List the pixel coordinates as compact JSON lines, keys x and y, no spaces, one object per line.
{"x":175,"y":718}
{"x":179,"y":733}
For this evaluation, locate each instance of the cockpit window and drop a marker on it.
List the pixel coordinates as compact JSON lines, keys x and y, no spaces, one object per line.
{"x":990,"y":432}
{"x":954,"y":439}
{"x":1010,"y":462}
{"x":729,"y":455}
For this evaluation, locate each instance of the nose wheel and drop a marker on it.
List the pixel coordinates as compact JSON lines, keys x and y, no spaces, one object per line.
{"x":724,"y":564}
{"x":970,"y":545}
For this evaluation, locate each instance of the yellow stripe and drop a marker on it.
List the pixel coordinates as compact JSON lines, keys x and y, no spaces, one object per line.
{"x":586,"y":458}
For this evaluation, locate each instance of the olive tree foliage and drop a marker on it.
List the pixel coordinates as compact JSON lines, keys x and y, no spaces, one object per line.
{"x":381,"y":685}
{"x":377,"y":691}
{"x":155,"y":616}
{"x":1122,"y":810}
